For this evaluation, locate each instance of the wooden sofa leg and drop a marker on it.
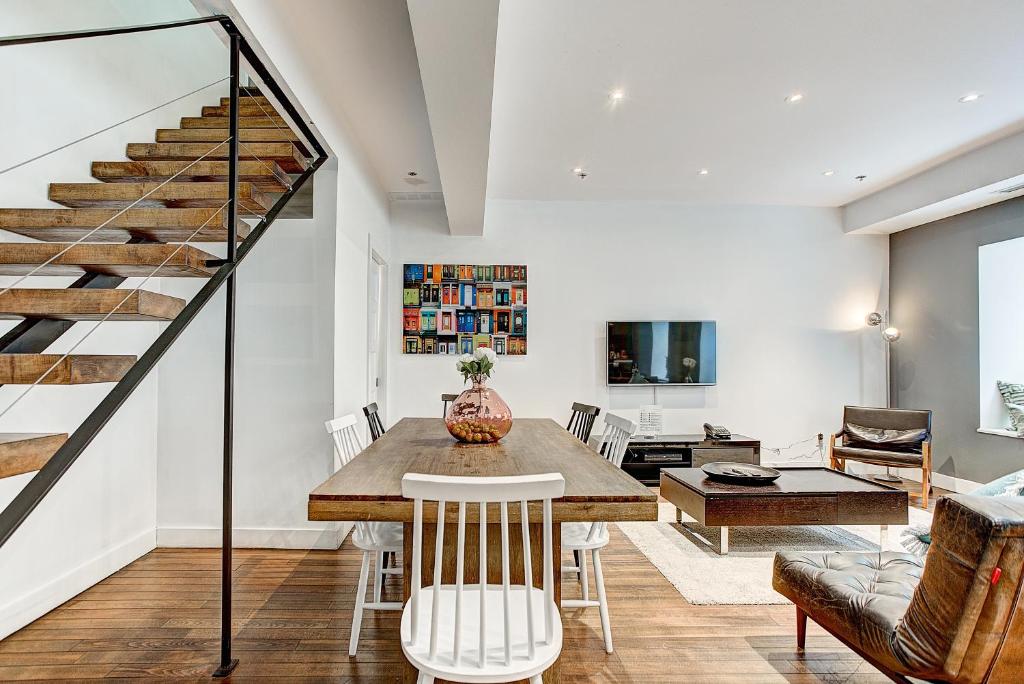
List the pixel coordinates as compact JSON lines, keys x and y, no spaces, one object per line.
{"x":801,"y":628}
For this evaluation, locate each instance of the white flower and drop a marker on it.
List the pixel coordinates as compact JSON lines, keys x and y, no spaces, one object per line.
{"x":466,"y":358}
{"x":458,"y":365}
{"x":482,"y":353}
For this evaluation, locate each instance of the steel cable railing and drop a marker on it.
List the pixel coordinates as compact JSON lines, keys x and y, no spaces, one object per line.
{"x":44,"y":480}
{"x":110,"y":127}
{"x":84,"y":238}
{"x":130,"y":291}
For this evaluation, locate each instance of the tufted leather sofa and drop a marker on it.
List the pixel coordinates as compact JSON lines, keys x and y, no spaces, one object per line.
{"x":956,"y":615}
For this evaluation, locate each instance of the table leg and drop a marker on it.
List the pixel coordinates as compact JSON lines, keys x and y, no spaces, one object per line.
{"x":724,"y":545}
{"x":679,"y":515}
{"x":494,"y":566}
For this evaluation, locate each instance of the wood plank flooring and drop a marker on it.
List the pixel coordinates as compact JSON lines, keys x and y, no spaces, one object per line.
{"x":158,"y":618}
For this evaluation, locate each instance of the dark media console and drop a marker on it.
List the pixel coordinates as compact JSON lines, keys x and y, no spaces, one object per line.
{"x":645,"y":457}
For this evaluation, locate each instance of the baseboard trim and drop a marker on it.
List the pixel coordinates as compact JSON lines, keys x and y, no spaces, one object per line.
{"x":24,"y":609}
{"x":328,"y":538}
{"x":953,"y":484}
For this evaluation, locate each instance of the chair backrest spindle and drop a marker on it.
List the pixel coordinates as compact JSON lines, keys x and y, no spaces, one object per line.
{"x":347,"y":445}
{"x":483,"y":491}
{"x":582,"y":420}
{"x":372,"y":414}
{"x":614,"y":442}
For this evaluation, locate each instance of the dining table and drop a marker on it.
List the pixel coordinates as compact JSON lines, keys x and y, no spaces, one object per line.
{"x":369,"y":488}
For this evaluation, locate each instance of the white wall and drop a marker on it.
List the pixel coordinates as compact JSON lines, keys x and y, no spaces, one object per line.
{"x":102,"y":514}
{"x":283,"y":391}
{"x":301,"y":345}
{"x":1000,"y":326}
{"x":789,"y":291}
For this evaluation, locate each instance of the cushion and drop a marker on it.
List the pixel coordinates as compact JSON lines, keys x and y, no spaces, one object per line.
{"x":880,"y":438}
{"x":878,"y":456}
{"x":1007,"y":485}
{"x":1013,"y":393}
{"x":1016,"y":412}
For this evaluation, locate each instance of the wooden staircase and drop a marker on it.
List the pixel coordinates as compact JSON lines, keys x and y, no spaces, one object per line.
{"x":136,"y":242}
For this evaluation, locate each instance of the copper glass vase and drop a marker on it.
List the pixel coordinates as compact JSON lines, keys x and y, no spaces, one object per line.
{"x":479,"y":415}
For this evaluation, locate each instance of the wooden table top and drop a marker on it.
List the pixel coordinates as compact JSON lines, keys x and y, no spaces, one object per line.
{"x":370,"y":486}
{"x":795,"y":481}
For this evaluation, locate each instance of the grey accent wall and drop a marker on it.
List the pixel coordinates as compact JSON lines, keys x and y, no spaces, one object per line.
{"x":933,"y":294}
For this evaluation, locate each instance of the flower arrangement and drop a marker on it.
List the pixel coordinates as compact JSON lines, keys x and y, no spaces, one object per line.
{"x":477,"y":365}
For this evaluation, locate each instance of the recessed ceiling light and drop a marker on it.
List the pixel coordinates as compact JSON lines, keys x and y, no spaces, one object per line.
{"x":617,"y":95}
{"x":794,"y":98}
{"x":703,"y":172}
{"x":830,"y":172}
{"x":970,"y":97}
{"x":580,"y":172}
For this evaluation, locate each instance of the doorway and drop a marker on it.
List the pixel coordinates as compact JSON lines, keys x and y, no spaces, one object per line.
{"x":376,"y":362}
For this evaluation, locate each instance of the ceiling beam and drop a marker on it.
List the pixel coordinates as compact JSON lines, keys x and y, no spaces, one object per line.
{"x":455,"y":46}
{"x":968,"y":181}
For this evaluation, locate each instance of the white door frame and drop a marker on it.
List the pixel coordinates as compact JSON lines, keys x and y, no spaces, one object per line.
{"x":377,"y":270}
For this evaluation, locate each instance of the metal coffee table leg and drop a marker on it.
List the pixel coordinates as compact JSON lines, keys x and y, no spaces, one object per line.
{"x":724,"y":545}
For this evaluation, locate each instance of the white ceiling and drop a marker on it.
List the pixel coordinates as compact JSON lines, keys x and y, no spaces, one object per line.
{"x":362,"y":57}
{"x":705,"y":84}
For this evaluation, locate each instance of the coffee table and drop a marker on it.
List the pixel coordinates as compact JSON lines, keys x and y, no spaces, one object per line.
{"x":801,"y":496}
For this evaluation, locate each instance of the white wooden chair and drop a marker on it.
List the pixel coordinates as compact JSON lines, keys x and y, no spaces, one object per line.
{"x":580,"y":537}
{"x":381,"y":539}
{"x":481,"y":632}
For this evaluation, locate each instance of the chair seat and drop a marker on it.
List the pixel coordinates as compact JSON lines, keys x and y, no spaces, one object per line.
{"x":574,"y":536}
{"x":468,"y":669}
{"x":879,"y":456}
{"x":858,"y":596}
{"x":386,"y":536}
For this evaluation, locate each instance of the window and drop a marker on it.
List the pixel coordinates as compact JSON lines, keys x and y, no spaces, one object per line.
{"x":1000,"y":328}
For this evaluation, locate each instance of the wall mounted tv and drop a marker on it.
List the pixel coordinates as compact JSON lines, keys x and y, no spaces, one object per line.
{"x":662,"y":353}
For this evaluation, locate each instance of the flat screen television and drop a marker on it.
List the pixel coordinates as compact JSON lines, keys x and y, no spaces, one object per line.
{"x":662,"y":353}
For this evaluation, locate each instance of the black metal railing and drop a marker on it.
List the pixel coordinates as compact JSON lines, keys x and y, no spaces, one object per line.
{"x":37,"y":488}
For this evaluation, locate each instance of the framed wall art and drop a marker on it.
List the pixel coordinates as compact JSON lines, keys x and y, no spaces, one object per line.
{"x":455,"y":308}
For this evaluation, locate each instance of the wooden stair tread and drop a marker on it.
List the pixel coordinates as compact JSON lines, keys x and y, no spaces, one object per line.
{"x":245,"y":99}
{"x":266,"y":176}
{"x":25,"y":452}
{"x":244,"y":122}
{"x":162,"y":225}
{"x":244,"y":109}
{"x":246,"y":135}
{"x":75,"y":369}
{"x":19,"y":258}
{"x":284,"y":154}
{"x":87,"y":304}
{"x":186,"y":195}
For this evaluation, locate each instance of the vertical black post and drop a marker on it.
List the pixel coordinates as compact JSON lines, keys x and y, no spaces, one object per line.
{"x":227,"y":663}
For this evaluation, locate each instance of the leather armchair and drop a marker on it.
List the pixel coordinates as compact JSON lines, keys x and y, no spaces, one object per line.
{"x":955,"y":616}
{"x":916,"y":453}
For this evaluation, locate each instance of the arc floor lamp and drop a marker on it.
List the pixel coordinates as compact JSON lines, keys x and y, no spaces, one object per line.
{"x":890,"y":334}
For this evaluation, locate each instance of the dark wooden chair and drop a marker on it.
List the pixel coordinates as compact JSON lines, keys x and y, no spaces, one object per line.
{"x":373,"y":420}
{"x":582,"y":420}
{"x":447,"y":399}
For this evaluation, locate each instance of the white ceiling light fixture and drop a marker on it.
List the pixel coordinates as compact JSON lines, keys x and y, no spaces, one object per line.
{"x":580,"y":172}
{"x":830,"y":172}
{"x":617,"y":95}
{"x":794,"y":98}
{"x":969,"y":97}
{"x":703,"y":172}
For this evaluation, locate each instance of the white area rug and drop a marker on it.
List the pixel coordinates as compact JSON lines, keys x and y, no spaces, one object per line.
{"x":687,"y":555}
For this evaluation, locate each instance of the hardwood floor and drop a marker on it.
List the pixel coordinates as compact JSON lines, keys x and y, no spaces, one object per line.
{"x":158,"y":618}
